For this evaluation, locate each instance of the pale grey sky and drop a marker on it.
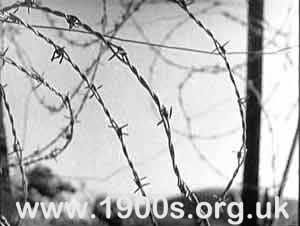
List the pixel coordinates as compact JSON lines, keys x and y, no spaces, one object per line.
{"x":95,"y":151}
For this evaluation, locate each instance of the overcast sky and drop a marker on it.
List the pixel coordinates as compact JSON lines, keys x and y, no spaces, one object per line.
{"x":95,"y":152}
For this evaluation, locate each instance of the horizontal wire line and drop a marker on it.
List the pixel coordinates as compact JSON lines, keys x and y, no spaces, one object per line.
{"x":178,"y":48}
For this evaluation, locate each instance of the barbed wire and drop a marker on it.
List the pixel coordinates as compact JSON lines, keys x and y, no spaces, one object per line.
{"x":162,"y":46}
{"x":61,"y":54}
{"x":121,"y":55}
{"x":16,"y":145}
{"x":222,"y":52}
{"x":87,"y":77}
{"x":67,"y":131}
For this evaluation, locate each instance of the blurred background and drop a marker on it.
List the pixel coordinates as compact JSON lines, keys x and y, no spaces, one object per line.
{"x":203,"y":102}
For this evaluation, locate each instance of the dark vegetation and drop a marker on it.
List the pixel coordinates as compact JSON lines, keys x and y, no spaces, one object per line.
{"x":40,"y":183}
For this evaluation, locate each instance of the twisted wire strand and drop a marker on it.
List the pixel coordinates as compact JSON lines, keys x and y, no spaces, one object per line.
{"x":61,"y":54}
